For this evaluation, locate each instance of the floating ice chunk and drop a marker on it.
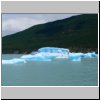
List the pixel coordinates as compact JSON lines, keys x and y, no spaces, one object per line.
{"x":36,"y":57}
{"x":75,"y":56}
{"x":46,"y":55}
{"x":90,"y":55}
{"x":40,"y":59}
{"x":53,"y":55}
{"x":13,"y":61}
{"x":94,"y":54}
{"x":87,"y":55}
{"x":78,"y":56}
{"x":54,"y":52}
{"x":50,"y":53}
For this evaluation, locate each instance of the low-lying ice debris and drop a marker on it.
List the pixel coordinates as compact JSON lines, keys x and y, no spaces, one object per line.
{"x":75,"y":56}
{"x":13,"y":61}
{"x":90,"y":55}
{"x":37,"y":57}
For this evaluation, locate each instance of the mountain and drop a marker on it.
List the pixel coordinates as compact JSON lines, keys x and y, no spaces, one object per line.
{"x":77,"y":33}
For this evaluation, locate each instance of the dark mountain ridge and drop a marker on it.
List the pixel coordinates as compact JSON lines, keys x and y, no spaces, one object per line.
{"x":78,"y":33}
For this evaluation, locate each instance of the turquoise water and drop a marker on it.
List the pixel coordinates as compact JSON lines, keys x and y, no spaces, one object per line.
{"x":60,"y":72}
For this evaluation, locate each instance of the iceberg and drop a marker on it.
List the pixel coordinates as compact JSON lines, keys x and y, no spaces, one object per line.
{"x":75,"y":56}
{"x":13,"y":61}
{"x":90,"y":55}
{"x":54,"y":52}
{"x":49,"y":54}
{"x":79,"y":56}
{"x":36,"y":57}
{"x":94,"y":54}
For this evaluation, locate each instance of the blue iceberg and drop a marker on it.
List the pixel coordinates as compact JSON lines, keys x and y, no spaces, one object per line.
{"x":49,"y":54}
{"x":75,"y":56}
{"x":90,"y":55}
{"x":79,"y":56}
{"x":54,"y":52}
{"x":36,"y":57}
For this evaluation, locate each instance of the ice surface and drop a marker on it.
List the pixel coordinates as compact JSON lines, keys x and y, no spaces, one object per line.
{"x":49,"y":54}
{"x":75,"y":56}
{"x":54,"y":50}
{"x":79,"y":56}
{"x":36,"y":57}
{"x":13,"y":61}
{"x":90,"y":55}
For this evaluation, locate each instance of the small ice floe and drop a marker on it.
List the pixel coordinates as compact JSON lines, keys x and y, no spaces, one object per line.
{"x":13,"y":61}
{"x":90,"y":55}
{"x":75,"y":56}
{"x":79,"y":56}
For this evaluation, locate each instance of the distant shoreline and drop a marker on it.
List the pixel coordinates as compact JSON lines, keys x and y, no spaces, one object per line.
{"x":83,"y":50}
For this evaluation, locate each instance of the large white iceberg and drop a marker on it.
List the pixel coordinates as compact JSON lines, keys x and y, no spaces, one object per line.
{"x":54,"y":52}
{"x":49,"y":54}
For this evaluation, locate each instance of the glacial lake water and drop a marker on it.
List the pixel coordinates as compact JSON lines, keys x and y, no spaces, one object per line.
{"x":60,"y":72}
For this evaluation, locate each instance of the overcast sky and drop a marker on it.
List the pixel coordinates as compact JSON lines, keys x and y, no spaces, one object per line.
{"x":12,"y":23}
